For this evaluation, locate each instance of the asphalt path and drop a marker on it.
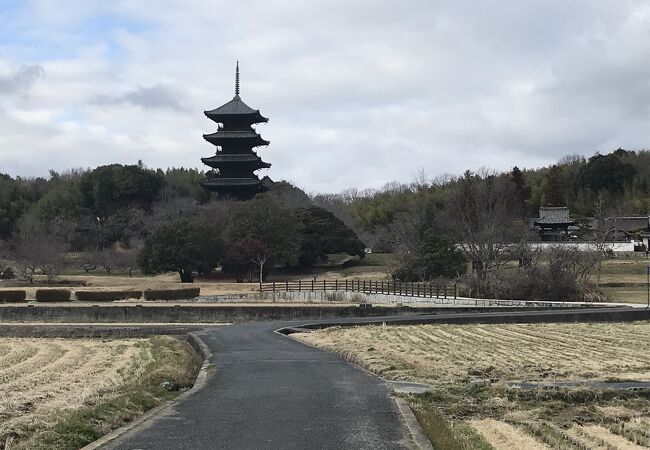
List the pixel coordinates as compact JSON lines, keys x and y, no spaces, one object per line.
{"x":271,"y":392}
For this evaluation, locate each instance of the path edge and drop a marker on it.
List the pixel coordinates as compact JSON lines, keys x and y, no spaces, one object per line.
{"x":204,"y":352}
{"x":418,"y":435}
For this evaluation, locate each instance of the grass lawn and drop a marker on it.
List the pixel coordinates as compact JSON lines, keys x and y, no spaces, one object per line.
{"x":65,"y":393}
{"x":464,"y":411}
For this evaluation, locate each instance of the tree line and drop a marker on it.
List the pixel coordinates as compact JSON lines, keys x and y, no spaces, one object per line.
{"x":129,"y":216}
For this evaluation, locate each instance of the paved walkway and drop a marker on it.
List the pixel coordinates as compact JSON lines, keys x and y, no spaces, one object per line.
{"x":270,"y":392}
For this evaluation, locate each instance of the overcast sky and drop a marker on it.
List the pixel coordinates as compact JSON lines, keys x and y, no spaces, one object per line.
{"x":358,"y":92}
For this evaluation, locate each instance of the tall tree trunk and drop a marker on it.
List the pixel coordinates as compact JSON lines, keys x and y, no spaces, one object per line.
{"x":186,"y":275}
{"x":261,"y":273}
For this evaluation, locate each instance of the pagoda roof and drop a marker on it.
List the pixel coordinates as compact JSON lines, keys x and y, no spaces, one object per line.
{"x":233,"y":135}
{"x":219,"y":181}
{"x":223,"y":184}
{"x":234,"y":158}
{"x":234,"y":108}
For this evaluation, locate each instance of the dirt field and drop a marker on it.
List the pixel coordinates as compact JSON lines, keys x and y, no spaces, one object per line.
{"x":43,"y":380}
{"x":458,"y":359}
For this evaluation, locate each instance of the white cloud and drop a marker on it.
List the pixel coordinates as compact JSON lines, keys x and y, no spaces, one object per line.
{"x":358,"y":93}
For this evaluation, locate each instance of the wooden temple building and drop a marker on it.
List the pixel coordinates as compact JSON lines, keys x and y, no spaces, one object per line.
{"x":553,"y":223}
{"x":235,"y":161}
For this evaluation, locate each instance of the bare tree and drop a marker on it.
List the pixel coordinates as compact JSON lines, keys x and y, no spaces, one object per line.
{"x":600,"y":236}
{"x":37,"y":248}
{"x":260,"y":256}
{"x":482,"y":215}
{"x":107,"y":259}
{"x":127,"y":259}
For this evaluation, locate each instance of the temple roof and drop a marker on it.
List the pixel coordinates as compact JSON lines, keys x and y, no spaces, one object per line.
{"x":628,"y":223}
{"x":233,"y":136}
{"x":236,"y":106}
{"x":554,"y":215}
{"x":232,"y":181}
{"x":235,"y":158}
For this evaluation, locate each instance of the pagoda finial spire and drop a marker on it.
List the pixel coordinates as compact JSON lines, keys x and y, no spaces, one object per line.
{"x":237,"y":80}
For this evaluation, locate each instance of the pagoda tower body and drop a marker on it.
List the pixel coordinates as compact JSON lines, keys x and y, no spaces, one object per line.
{"x":235,"y":162}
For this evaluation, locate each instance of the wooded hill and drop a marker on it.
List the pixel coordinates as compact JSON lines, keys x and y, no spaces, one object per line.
{"x":605,"y":184}
{"x":121,"y":202}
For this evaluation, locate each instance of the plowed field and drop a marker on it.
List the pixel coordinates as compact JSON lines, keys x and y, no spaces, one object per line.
{"x":41,"y":380}
{"x":454,"y":358}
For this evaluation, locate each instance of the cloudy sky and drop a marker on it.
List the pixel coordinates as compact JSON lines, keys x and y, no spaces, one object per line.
{"x":358,"y":92}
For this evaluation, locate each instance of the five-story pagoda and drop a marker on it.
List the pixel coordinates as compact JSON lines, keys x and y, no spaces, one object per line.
{"x":235,"y":162}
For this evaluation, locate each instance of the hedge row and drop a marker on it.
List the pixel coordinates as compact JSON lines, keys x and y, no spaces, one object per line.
{"x":107,"y":296}
{"x":64,"y":295}
{"x":171,"y":294}
{"x":12,"y":296}
{"x":53,"y":295}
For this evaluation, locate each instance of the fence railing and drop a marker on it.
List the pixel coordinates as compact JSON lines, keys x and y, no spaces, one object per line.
{"x":426,"y":290}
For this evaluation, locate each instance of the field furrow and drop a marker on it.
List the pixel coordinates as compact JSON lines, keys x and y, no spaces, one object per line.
{"x":452,"y":357}
{"x":503,"y":436}
{"x":44,"y":377}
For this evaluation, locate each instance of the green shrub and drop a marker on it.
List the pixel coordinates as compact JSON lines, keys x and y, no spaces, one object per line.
{"x":106,"y":296}
{"x":53,"y":295}
{"x":171,"y":294}
{"x":12,"y":296}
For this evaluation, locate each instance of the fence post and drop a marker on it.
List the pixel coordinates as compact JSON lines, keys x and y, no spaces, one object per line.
{"x":437,"y":290}
{"x":455,"y":290}
{"x":324,"y":286}
{"x":400,"y":288}
{"x":382,"y":286}
{"x":274,"y":287}
{"x":346,"y":286}
{"x":299,"y":285}
{"x":312,"y":285}
{"x":336,"y":284}
{"x":445,"y":288}
{"x":286,"y":286}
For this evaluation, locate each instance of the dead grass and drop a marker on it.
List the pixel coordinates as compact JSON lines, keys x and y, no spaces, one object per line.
{"x":503,"y":436}
{"x":44,"y":381}
{"x":509,"y":352}
{"x":451,"y":357}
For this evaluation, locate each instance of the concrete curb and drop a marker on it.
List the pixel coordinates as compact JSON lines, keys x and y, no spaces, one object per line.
{"x":418,"y":435}
{"x":201,"y":379}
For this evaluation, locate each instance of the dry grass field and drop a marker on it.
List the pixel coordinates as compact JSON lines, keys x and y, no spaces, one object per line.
{"x":465,"y":412}
{"x":46,"y":382}
{"x":624,"y":279}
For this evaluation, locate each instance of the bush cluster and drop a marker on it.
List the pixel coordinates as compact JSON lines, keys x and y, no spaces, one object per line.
{"x":12,"y":296}
{"x":106,"y":296}
{"x":53,"y":295}
{"x":7,"y":273}
{"x":171,"y":294}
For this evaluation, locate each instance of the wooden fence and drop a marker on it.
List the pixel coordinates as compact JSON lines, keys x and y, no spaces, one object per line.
{"x":426,"y":290}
